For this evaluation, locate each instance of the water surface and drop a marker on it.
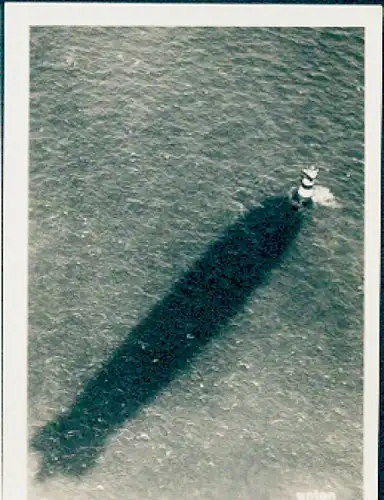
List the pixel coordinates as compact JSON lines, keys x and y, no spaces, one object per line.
{"x":145,"y":146}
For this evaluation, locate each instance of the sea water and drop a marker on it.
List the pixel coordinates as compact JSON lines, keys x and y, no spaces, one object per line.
{"x":145,"y":145}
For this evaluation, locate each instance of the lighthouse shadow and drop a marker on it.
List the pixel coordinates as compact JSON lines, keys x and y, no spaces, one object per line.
{"x":175,"y":330}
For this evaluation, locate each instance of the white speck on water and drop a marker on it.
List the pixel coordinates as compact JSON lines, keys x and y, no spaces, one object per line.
{"x":246,"y":366}
{"x":70,"y":61}
{"x":143,"y":436}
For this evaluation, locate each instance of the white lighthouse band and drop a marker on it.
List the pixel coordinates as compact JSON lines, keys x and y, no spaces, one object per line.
{"x":306,"y":188}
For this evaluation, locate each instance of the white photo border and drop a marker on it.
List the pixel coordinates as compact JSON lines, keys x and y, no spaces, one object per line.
{"x":19,"y":17}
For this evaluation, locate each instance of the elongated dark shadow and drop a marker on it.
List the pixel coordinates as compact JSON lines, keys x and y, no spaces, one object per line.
{"x":198,"y":305}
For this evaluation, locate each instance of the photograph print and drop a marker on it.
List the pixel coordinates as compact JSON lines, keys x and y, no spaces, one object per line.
{"x":196,"y":262}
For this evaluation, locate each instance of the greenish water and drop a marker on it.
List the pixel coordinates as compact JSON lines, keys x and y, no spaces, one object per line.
{"x":146,"y":144}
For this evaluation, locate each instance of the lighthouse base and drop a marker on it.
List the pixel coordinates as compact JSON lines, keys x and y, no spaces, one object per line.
{"x":299,"y":202}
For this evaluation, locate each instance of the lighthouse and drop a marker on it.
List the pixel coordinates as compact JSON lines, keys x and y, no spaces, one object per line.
{"x":302,"y":196}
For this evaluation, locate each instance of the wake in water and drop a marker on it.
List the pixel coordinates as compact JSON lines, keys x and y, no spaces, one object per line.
{"x":323,"y":196}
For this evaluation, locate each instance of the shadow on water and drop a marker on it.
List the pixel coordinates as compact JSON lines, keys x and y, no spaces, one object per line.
{"x":198,"y":305}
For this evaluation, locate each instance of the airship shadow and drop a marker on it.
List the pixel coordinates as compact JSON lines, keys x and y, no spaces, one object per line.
{"x":199,"y":304}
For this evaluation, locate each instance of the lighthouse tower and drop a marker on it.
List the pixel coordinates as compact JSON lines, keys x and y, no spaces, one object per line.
{"x":302,"y":196}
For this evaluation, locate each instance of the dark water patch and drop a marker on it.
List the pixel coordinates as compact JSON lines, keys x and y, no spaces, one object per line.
{"x":200,"y":304}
